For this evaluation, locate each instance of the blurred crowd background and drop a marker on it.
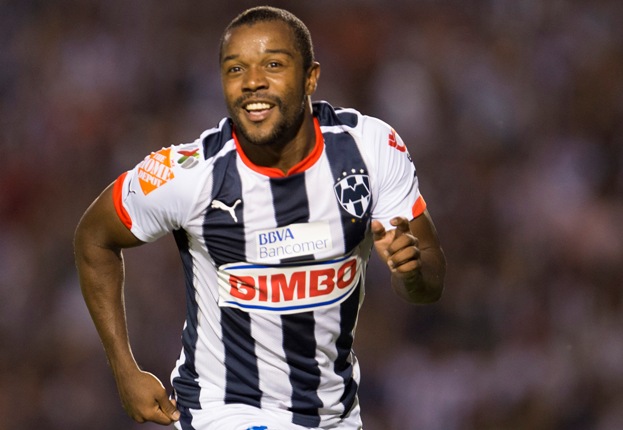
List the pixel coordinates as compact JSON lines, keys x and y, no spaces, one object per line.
{"x":512,"y":111}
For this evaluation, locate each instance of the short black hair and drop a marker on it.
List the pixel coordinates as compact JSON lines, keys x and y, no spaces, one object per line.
{"x":268,"y":13}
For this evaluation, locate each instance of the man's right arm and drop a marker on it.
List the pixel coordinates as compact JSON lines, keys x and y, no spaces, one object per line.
{"x":98,"y":243}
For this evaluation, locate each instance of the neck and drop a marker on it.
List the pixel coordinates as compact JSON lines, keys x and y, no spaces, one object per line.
{"x":288,"y":152}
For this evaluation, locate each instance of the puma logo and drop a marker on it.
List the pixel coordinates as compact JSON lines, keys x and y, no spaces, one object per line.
{"x":216,"y":204}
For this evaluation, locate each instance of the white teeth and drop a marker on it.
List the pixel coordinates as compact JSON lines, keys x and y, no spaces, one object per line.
{"x":257,"y":106}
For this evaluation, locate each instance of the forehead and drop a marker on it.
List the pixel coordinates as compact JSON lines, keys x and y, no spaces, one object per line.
{"x":257,"y":38}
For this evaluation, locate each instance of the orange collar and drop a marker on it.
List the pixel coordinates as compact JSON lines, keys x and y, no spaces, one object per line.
{"x":299,"y":167}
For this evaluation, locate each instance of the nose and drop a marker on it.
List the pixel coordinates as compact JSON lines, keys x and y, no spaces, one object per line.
{"x":255,"y":79}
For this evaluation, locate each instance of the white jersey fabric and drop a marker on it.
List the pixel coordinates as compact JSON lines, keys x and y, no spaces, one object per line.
{"x":274,"y":263}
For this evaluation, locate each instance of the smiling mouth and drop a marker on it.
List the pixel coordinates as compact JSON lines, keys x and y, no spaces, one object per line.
{"x":258,"y":111}
{"x":257,"y":106}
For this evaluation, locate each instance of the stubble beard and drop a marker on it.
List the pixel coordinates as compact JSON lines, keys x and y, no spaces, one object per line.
{"x":282,"y":133}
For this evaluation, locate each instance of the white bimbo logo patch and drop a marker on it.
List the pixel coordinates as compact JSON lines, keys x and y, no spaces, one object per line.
{"x":288,"y":289}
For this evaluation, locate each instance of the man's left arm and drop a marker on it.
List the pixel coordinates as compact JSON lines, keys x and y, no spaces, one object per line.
{"x":414,"y":256}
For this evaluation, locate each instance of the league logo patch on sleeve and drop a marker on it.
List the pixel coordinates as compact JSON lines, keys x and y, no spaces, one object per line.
{"x":155,"y":170}
{"x":353,"y":193}
{"x":188,"y":156}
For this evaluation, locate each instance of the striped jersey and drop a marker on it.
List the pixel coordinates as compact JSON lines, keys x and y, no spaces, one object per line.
{"x":274,"y":263}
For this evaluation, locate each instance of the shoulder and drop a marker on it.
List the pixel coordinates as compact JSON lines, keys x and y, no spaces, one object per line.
{"x":349,"y":120}
{"x":213,"y":141}
{"x":178,"y":167}
{"x":183,"y":158}
{"x":340,"y":118}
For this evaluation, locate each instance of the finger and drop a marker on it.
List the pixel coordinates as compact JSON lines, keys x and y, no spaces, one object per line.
{"x":159,"y":416}
{"x":406,"y":268}
{"x":405,"y":256}
{"x":169,"y":408}
{"x":401,"y":224}
{"x":378,"y":231}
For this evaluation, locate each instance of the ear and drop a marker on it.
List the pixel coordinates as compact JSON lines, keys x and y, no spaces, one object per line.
{"x":312,"y":79}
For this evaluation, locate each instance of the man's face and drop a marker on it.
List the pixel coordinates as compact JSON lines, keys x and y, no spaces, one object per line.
{"x":264,"y":83}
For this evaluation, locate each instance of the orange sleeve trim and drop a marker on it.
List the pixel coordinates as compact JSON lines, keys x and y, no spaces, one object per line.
{"x":418,"y":207}
{"x":299,"y":167}
{"x":124,"y":216}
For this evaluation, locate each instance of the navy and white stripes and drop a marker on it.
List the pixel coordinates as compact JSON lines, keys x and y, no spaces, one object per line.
{"x":274,"y":265}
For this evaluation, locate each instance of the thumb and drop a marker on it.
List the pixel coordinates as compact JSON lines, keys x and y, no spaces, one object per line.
{"x":169,"y":407}
{"x":378,"y":231}
{"x":401,"y":224}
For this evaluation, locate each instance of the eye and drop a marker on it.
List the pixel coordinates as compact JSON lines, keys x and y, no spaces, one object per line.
{"x":274,"y":64}
{"x":234,"y":69}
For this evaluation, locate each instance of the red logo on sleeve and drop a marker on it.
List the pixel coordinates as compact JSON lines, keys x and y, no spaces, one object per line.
{"x":393,"y":142}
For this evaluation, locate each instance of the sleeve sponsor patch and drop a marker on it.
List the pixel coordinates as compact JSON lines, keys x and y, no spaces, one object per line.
{"x":155,"y":170}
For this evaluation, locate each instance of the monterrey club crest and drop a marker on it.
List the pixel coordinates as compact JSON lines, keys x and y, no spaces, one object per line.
{"x":353,"y":193}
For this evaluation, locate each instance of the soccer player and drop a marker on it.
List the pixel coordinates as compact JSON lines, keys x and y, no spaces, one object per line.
{"x":275,"y":212}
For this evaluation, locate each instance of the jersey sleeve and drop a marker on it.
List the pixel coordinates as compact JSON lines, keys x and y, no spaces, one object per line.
{"x":396,"y":184}
{"x":155,"y":197}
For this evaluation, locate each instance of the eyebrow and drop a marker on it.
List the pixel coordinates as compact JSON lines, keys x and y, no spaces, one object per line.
{"x":268,"y":51}
{"x":280,"y":51}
